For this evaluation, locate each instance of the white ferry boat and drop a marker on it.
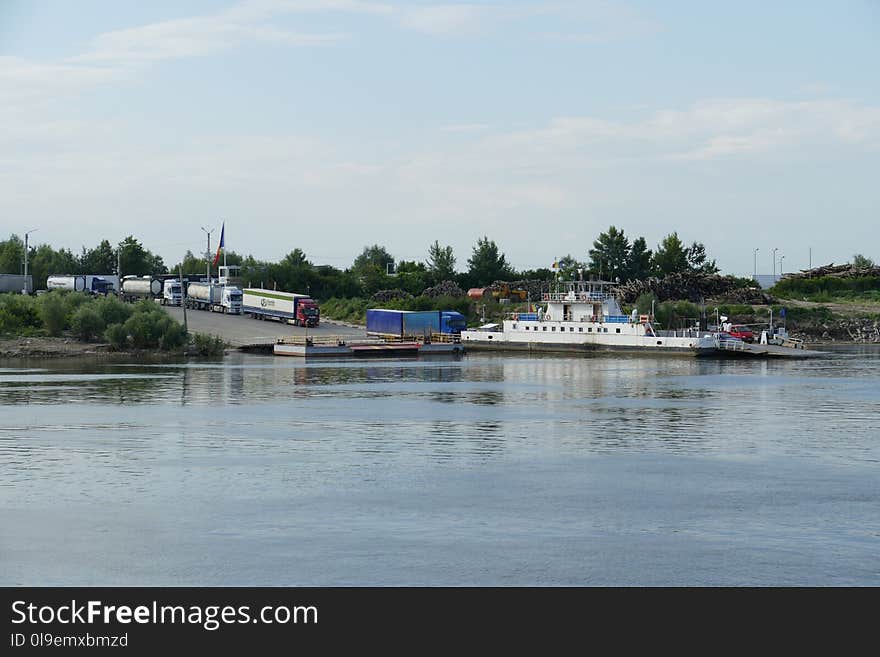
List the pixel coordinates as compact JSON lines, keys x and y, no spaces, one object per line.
{"x":584,"y":316}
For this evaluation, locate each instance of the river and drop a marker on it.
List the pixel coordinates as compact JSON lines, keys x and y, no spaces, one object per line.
{"x":482,"y":470}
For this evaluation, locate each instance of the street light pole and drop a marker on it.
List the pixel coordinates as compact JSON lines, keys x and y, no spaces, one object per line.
{"x":208,"y":252}
{"x":781,"y":258}
{"x":774,"y":264}
{"x":756,"y":265}
{"x":24,"y":289}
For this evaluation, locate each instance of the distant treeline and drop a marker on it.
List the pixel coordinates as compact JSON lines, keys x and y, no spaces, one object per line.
{"x":612,"y":257}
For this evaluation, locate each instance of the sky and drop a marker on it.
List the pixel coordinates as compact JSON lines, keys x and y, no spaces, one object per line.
{"x":330,"y":125}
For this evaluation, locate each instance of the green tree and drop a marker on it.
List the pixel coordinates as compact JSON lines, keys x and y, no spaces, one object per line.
{"x":12,"y":255}
{"x":373,"y":256}
{"x":639,"y":262}
{"x":53,"y":313}
{"x":294,"y":273}
{"x":567,"y":268}
{"x":137,"y":260}
{"x":86,"y":323}
{"x":698,"y":261}
{"x":861,"y":262}
{"x":671,"y":256}
{"x":487,"y":264}
{"x":374,"y":279}
{"x":610,"y":254}
{"x":412,"y":276}
{"x":44,"y":261}
{"x":100,"y":260}
{"x":441,"y":262}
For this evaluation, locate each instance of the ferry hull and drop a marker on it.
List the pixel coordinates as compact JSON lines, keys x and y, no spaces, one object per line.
{"x":568,"y":348}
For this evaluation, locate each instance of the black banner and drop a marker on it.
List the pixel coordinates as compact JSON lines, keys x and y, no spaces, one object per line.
{"x":151,"y":620}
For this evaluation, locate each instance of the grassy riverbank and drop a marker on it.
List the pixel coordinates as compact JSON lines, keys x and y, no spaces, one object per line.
{"x":50,"y":324}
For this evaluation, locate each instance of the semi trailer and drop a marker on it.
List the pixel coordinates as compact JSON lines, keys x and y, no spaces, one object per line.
{"x":145,"y":287}
{"x":296,"y":309}
{"x":91,"y":283}
{"x":214,"y":297}
{"x":16,"y":283}
{"x":413,"y":323}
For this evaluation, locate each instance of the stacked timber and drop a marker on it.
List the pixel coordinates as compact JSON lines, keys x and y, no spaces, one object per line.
{"x":690,"y":286}
{"x":444,"y":289}
{"x":835,"y":271}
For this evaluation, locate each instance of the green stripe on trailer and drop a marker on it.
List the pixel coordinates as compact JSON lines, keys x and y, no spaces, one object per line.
{"x":258,"y":293}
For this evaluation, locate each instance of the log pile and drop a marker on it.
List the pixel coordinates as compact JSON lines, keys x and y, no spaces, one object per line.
{"x":688,"y":286}
{"x":835,"y":271}
{"x":751,"y":296}
{"x":444,"y":289}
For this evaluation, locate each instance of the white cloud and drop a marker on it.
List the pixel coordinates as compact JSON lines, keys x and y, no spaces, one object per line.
{"x":190,"y":37}
{"x":443,"y":19}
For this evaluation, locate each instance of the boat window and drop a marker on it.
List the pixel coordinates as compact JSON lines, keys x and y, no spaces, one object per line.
{"x":580,"y":329}
{"x":571,"y":329}
{"x":618,"y":330}
{"x":543,"y":328}
{"x":589,"y":329}
{"x":553,"y":328}
{"x":514,"y":326}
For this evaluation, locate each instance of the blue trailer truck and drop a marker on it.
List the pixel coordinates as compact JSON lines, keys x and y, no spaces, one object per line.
{"x":413,"y":323}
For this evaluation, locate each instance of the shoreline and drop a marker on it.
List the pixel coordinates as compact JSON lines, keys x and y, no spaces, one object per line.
{"x":55,"y":348}
{"x":65,"y":347}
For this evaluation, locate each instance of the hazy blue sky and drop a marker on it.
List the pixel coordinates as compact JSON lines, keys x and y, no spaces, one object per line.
{"x":329,"y":125}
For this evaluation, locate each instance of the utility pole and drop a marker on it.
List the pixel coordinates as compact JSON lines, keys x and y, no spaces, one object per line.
{"x":24,"y":289}
{"x":208,"y":252}
{"x":182,"y":301}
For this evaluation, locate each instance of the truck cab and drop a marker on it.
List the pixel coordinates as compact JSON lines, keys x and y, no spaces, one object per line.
{"x":452,"y":322}
{"x":307,"y":313}
{"x":172,"y":292}
{"x":231,"y":300}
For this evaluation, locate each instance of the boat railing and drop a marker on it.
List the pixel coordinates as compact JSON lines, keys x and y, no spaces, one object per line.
{"x":584,"y":297}
{"x":730,"y":344}
{"x":454,"y":338}
{"x":323,"y":340}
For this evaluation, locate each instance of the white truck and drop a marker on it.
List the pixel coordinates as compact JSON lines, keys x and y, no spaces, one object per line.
{"x":214,"y":297}
{"x":146,"y":287}
{"x":286,"y":307}
{"x":91,"y":283}
{"x":172,"y":293}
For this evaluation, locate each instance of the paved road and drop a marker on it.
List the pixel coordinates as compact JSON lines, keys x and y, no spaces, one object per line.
{"x":239,"y":330}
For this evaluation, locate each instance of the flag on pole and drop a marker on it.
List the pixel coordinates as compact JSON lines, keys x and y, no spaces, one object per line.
{"x":555,"y":264}
{"x":221,"y":245}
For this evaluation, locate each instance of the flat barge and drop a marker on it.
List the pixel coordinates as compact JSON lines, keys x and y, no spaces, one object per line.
{"x":338,"y":347}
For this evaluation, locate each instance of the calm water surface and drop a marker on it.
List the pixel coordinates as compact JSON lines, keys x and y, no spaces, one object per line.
{"x":489,"y":470}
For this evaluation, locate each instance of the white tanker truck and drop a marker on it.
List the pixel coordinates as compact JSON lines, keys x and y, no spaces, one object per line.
{"x":135,"y":289}
{"x":91,"y":283}
{"x":214,"y":297}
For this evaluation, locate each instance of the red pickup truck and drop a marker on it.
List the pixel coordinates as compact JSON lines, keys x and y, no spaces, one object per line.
{"x":742,"y":332}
